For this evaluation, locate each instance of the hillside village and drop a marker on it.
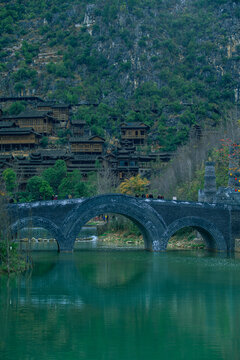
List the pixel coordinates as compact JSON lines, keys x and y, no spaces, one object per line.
{"x":44,"y":132}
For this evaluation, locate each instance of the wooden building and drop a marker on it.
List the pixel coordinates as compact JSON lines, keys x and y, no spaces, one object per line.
{"x":91,"y":145}
{"x":34,"y":163}
{"x":18,"y":139}
{"x":77,"y":127}
{"x":42,"y":122}
{"x":85,"y":163}
{"x":7,"y":124}
{"x":60,"y":112}
{"x":6,"y":161}
{"x":45,"y":106}
{"x":131,"y":163}
{"x":136,"y":132}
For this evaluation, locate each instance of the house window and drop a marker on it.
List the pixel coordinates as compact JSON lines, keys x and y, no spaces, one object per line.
{"x":123,"y":163}
{"x":142,"y":132}
{"x":132,"y":163}
{"x":136,"y":132}
{"x":123,"y":132}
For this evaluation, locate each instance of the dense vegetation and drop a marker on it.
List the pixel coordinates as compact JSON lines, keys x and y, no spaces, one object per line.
{"x":169,"y":63}
{"x":11,"y":260}
{"x":53,"y":181}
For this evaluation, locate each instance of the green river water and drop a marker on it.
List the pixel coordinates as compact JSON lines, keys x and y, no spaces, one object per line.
{"x":122,"y":305}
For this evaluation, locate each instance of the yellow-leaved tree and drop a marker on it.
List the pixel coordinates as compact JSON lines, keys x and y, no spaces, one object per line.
{"x":134,"y":185}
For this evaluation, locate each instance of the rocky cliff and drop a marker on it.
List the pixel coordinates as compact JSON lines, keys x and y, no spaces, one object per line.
{"x":173,"y":64}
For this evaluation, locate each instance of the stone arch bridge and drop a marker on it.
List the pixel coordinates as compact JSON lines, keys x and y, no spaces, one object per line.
{"x":158,"y":220}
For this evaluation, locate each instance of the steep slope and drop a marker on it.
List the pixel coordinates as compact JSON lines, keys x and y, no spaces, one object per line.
{"x":169,"y":63}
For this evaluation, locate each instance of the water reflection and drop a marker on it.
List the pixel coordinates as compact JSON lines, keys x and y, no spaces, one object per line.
{"x":106,"y":271}
{"x":122,"y":305}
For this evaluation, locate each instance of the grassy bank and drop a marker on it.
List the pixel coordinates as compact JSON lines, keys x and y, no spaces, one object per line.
{"x":11,"y":260}
{"x":182,"y":240}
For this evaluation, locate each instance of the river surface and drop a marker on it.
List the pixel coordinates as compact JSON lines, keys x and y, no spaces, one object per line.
{"x":122,"y":305}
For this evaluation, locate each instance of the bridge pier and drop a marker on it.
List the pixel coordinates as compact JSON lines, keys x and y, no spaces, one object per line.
{"x":64,"y":245}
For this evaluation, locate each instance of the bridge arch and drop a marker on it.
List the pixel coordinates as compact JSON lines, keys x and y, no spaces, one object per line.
{"x":210,"y":233}
{"x":139,"y":211}
{"x":40,"y":222}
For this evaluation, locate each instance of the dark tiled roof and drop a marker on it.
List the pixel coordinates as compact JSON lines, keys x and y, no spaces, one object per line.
{"x":61,"y":106}
{"x":93,"y":136}
{"x":78,"y":139}
{"x":85,"y":157}
{"x":6,"y":124}
{"x":20,"y":157}
{"x":133,"y":125}
{"x":35,"y":155}
{"x":20,"y":98}
{"x":17,"y":131}
{"x":6,"y":157}
{"x":78,"y":122}
{"x":54,"y":153}
{"x":28,"y":114}
{"x":46,"y":104}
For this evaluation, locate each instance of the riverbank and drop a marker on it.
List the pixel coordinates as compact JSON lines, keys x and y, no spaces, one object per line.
{"x":189,"y":242}
{"x":11,"y":260}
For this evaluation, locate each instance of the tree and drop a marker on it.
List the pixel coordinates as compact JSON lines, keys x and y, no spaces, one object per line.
{"x":107,"y":181}
{"x":44,"y":141}
{"x":134,"y":185}
{"x":16,"y":108}
{"x":19,"y":87}
{"x":73,"y":185}
{"x":39,"y":189}
{"x":55,"y":175}
{"x":10,"y":178}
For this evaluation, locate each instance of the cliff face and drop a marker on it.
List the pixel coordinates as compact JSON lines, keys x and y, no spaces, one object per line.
{"x":170,"y":63}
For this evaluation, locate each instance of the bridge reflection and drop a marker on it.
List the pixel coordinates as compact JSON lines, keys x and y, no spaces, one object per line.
{"x":92,"y":277}
{"x":151,"y":296}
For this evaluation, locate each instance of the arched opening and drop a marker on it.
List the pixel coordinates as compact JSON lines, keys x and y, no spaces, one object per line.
{"x":110,"y":230}
{"x":35,"y":238}
{"x":187,"y":238}
{"x":190,"y":227}
{"x":147,"y":220}
{"x":36,"y":233}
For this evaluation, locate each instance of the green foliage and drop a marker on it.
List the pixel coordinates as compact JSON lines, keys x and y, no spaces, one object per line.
{"x":44,"y":141}
{"x":19,"y":87}
{"x":39,"y":189}
{"x":29,"y":51}
{"x":73,"y":185}
{"x":179,"y":56}
{"x":63,"y":136}
{"x":10,"y":259}
{"x":10,"y":179}
{"x":189,"y":190}
{"x":16,"y":108}
{"x":55,"y":175}
{"x":24,"y":74}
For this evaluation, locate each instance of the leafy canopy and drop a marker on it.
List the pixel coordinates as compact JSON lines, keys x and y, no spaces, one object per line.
{"x":134,"y":185}
{"x":10,"y":179}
